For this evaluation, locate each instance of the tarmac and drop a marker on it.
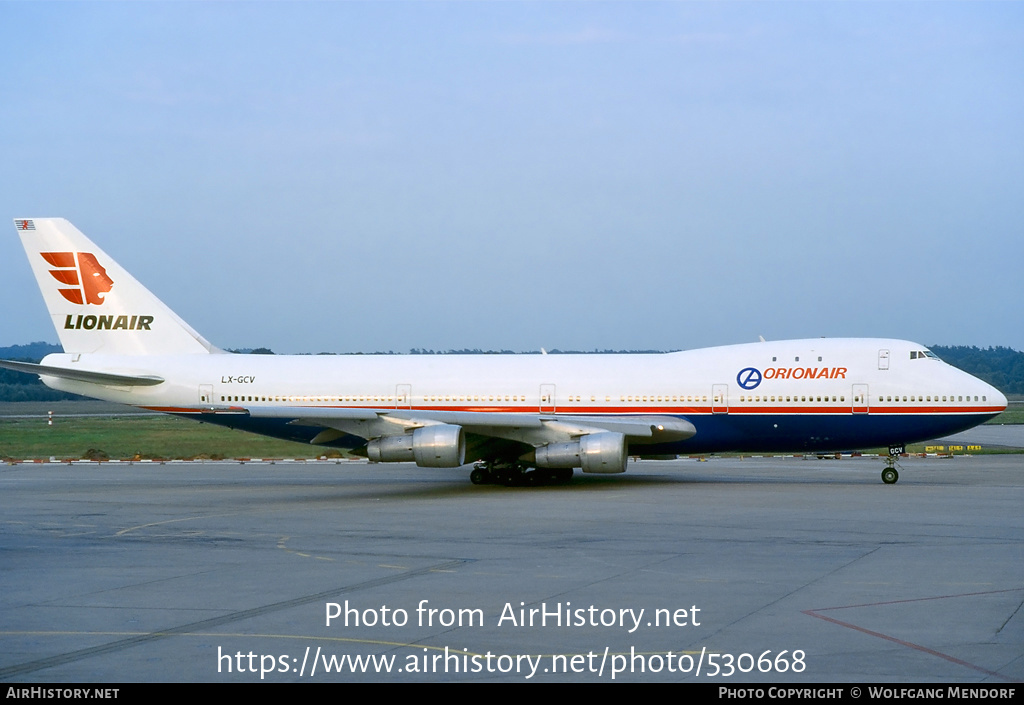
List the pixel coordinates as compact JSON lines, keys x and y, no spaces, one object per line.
{"x":730,"y":571}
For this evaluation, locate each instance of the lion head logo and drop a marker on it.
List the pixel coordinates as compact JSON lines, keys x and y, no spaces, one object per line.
{"x":86,"y":276}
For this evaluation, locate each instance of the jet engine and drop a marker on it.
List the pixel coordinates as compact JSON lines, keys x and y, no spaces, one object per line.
{"x":437,"y":446}
{"x":596,"y":452}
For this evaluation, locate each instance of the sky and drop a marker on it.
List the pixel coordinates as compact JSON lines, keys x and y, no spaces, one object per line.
{"x":367,"y":177}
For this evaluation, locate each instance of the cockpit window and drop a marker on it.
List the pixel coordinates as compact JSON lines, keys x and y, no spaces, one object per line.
{"x":922,"y":354}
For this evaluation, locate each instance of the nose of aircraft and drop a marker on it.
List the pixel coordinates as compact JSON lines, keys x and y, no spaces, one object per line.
{"x":997,"y":397}
{"x":992,"y":399}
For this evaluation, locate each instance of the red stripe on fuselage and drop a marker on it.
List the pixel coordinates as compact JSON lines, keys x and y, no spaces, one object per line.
{"x":631,"y":410}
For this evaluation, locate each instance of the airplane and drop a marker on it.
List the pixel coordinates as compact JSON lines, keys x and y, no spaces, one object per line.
{"x":522,"y":419}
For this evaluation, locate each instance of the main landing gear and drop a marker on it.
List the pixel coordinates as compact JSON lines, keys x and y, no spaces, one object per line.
{"x":517,"y":474}
{"x":890,"y":475}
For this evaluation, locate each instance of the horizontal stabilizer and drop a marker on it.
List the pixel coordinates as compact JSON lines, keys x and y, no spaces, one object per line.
{"x":107,"y":378}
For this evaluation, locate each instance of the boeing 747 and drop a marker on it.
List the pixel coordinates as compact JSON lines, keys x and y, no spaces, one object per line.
{"x":519,"y":418}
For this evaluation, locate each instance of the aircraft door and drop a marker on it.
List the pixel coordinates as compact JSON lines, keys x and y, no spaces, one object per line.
{"x":547,"y":398}
{"x":206,"y":394}
{"x":719,"y":398}
{"x":403,"y":396}
{"x":860,"y":399}
{"x":883,"y":359}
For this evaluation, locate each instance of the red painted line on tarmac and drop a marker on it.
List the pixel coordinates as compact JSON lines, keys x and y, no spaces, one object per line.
{"x":909,"y":644}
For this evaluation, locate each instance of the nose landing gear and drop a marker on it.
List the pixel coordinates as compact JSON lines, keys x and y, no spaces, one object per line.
{"x":890,"y":475}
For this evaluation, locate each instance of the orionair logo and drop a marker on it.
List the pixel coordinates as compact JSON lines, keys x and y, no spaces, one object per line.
{"x":87,"y":276}
{"x":750,"y":377}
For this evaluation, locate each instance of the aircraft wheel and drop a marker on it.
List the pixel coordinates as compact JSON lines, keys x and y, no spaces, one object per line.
{"x":479,"y":476}
{"x":889,"y":476}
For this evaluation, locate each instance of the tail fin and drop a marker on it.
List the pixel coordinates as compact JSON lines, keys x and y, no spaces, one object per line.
{"x":96,"y":306}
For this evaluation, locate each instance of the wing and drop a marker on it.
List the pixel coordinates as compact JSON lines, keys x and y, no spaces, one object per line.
{"x":393,"y":434}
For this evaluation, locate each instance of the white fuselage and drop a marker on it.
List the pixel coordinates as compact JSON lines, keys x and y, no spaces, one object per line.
{"x":810,"y":380}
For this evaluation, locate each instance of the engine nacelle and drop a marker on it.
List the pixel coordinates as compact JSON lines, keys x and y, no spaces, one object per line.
{"x":438,"y":446}
{"x":390,"y":449}
{"x":597,"y":452}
